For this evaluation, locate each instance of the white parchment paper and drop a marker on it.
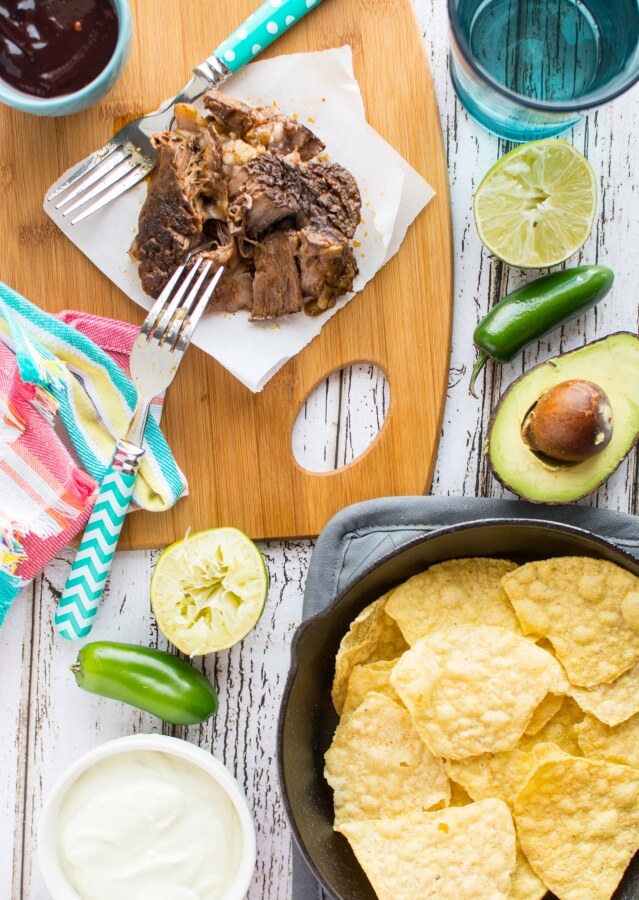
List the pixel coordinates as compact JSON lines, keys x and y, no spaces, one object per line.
{"x":321,"y":90}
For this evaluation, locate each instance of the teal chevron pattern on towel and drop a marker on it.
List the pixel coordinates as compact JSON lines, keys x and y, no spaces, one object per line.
{"x":81,"y":596}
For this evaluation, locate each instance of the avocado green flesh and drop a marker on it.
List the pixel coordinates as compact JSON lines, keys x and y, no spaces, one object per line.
{"x":612,"y":364}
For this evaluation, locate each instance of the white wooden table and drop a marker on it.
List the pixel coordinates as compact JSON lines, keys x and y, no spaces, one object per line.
{"x":46,"y":722}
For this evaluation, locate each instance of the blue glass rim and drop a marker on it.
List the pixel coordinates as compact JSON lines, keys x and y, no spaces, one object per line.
{"x":588,"y":101}
{"x":61,"y":103}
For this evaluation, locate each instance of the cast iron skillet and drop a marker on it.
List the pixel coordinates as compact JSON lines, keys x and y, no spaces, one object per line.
{"x":307,"y":719}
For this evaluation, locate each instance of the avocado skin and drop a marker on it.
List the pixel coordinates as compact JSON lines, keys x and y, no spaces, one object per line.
{"x":538,"y":481}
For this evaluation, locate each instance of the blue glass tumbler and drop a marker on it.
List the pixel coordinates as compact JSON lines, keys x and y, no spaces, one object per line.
{"x":528,"y":69}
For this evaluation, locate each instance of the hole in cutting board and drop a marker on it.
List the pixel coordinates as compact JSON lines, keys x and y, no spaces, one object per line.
{"x":323,"y":437}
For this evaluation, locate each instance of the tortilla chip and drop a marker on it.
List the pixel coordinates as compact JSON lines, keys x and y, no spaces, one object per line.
{"x":372,"y":636}
{"x":618,"y":745}
{"x":462,"y":852}
{"x":499,"y":775}
{"x":373,"y":676}
{"x":453,"y":593}
{"x":548,"y":707}
{"x":611,"y":703}
{"x":578,"y":824}
{"x":378,"y":767}
{"x":525,"y":885}
{"x":458,"y":795}
{"x":472,"y":690}
{"x":578,"y":603}
{"x":559,"y":730}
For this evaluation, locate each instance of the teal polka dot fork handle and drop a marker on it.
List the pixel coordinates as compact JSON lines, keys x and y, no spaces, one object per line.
{"x":261,"y":28}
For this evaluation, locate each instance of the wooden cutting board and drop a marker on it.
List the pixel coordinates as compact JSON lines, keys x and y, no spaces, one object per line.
{"x":235,"y":446}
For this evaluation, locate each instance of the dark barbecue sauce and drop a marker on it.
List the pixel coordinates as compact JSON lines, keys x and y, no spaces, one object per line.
{"x":54,"y":47}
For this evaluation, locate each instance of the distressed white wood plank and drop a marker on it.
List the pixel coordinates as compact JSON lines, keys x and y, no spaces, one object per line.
{"x":250,"y":680}
{"x":609,"y":137}
{"x":14,"y":703}
{"x":55,"y":722}
{"x":64,"y":721}
{"x":314,"y":440}
{"x":365,"y":400}
{"x":341,"y":418}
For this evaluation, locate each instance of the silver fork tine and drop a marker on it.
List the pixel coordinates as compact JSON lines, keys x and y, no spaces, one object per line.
{"x":163,"y":321}
{"x":116,"y":173}
{"x":97,"y":172}
{"x":172,"y":333}
{"x":90,"y":163}
{"x":196,"y":315}
{"x":136,"y":175}
{"x":155,"y":312}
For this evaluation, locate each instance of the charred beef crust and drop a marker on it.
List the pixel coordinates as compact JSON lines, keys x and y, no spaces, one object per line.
{"x":262,"y":193}
{"x":264,"y":126}
{"x":185,"y":190}
{"x":276,"y":286}
{"x":268,"y":189}
{"x":325,"y":257}
{"x":167,"y":225}
{"x":334,"y":197}
{"x":320,"y":199}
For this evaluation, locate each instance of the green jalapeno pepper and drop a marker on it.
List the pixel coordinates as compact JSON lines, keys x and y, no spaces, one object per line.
{"x":535,"y":310}
{"x":148,"y":679}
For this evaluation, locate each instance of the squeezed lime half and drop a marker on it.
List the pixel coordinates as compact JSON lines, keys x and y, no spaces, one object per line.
{"x":208,"y":590}
{"x":535,"y":207}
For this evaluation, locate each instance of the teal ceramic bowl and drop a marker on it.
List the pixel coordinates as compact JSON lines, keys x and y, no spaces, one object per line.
{"x":66,"y":104}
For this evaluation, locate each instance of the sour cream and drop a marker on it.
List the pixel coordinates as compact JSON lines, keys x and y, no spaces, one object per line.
{"x":144,"y":825}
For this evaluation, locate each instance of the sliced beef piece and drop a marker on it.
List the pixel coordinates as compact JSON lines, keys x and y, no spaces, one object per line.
{"x":333,"y":197}
{"x":234,"y":116}
{"x":323,"y":201}
{"x":276,"y":286}
{"x":269,"y":189}
{"x":325,"y":257}
{"x":235,"y":290}
{"x":327,"y":268}
{"x":263,"y":126}
{"x":264,"y":192}
{"x":186,"y":189}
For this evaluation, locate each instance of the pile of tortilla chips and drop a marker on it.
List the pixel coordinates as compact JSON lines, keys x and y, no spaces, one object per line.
{"x":489,"y":731}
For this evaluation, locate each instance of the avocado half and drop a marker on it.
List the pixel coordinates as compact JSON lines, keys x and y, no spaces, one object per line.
{"x":612,"y":363}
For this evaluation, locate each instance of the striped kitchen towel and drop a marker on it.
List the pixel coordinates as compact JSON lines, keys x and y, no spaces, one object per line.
{"x":65,"y":395}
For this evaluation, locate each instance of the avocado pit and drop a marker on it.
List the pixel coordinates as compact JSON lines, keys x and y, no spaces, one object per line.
{"x":570,"y":422}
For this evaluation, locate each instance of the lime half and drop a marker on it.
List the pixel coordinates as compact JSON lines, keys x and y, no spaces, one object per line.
{"x":209,"y":590}
{"x":536,"y":206}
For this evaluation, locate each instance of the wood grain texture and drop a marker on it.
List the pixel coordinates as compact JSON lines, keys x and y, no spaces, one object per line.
{"x":45,"y":722}
{"x":401,"y":321}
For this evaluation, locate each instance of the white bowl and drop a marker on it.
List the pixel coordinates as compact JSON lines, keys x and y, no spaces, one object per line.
{"x":54,"y":875}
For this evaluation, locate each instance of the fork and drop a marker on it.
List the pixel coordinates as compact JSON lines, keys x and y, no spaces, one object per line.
{"x":130,"y":155}
{"x":155,"y":358}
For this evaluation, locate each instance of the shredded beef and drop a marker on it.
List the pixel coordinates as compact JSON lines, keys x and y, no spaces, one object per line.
{"x":243,"y":188}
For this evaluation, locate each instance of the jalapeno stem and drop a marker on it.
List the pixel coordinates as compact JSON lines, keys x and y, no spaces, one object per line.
{"x":479,"y":365}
